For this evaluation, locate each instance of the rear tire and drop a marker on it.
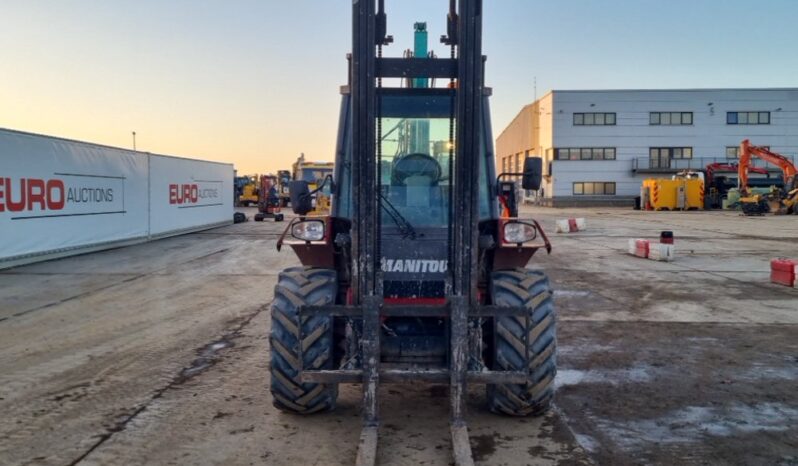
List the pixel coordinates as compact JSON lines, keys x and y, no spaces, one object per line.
{"x":530,"y":289}
{"x":298,"y":286}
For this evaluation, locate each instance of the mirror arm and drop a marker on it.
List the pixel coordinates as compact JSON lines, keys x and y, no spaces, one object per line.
{"x":322,"y":185}
{"x":502,"y":175}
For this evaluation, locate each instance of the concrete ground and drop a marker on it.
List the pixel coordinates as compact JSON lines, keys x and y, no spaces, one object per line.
{"x":158,"y":354}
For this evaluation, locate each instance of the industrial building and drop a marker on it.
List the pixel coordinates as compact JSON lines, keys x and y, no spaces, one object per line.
{"x":599,"y":145}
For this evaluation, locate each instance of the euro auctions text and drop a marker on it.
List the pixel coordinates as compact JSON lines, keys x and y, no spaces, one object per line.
{"x":191,"y":193}
{"x":37,"y":194}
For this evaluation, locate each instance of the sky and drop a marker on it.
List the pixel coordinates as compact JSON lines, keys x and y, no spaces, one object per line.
{"x":256,"y":82}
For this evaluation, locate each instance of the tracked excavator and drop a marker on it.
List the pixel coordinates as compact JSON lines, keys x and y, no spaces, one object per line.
{"x":415,"y":276}
{"x":782,"y":201}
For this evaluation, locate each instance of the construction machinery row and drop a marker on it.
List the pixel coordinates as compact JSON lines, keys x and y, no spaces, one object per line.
{"x":270,"y":193}
{"x":728,"y":186}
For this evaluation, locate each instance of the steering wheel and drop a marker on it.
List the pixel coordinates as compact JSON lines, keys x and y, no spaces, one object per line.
{"x":415,"y":164}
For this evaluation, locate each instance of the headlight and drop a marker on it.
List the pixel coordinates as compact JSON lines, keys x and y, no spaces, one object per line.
{"x":517,"y":232}
{"x":308,"y":230}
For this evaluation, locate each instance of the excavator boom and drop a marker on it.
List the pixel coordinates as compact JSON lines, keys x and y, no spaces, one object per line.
{"x":747,"y":151}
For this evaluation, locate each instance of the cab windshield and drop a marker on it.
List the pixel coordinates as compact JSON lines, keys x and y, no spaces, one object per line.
{"x":414,"y":169}
{"x":415,"y":150}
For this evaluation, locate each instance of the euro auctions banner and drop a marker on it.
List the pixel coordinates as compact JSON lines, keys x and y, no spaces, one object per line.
{"x":57,"y":194}
{"x":62,"y":197}
{"x":186,"y":194}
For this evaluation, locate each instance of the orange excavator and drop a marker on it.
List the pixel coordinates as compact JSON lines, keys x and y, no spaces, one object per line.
{"x":780,"y":201}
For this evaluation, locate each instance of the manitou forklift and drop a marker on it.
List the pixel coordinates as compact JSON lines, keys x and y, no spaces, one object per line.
{"x":414,"y":277}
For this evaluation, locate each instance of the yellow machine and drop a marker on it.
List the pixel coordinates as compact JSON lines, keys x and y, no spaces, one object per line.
{"x":246,"y":190}
{"x":283,"y":180}
{"x":314,"y":173}
{"x":791,"y":202}
{"x":680,"y":193}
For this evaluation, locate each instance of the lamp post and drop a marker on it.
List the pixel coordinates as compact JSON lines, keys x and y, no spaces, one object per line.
{"x":134,"y":140}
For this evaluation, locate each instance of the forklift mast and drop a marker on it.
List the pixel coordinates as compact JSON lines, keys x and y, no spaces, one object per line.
{"x":464,"y":69}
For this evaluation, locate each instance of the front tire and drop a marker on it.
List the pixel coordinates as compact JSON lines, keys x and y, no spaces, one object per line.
{"x":519,"y":350}
{"x":298,"y":286}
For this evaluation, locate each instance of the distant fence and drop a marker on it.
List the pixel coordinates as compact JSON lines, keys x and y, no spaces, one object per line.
{"x":60,"y":197}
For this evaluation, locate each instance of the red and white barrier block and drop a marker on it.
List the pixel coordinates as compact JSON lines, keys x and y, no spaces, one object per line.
{"x":784,"y":272}
{"x":639,"y":247}
{"x":648,"y":249}
{"x":571,"y":225}
{"x":661,"y":252}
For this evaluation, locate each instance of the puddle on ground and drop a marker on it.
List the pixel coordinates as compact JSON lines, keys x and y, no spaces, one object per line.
{"x":218,"y":345}
{"x":587,"y":442}
{"x":206,"y":357}
{"x":694,"y":423}
{"x":583,"y":348}
{"x":571,"y":293}
{"x":761,"y":371}
{"x":635,"y":374}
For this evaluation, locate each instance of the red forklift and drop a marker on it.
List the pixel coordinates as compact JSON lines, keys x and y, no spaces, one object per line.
{"x":415,"y":276}
{"x":268,"y":199}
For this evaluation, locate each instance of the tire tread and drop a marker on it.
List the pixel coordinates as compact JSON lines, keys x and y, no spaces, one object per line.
{"x":300,"y":286}
{"x":530,"y":289}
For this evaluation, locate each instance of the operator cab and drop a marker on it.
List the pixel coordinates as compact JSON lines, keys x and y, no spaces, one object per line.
{"x":415,"y":151}
{"x":415,"y":148}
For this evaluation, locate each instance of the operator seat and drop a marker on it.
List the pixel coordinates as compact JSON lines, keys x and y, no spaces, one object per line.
{"x":415,"y":164}
{"x":415,"y":181}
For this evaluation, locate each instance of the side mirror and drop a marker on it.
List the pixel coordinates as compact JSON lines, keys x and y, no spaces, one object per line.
{"x":533,"y":173}
{"x":301,"y":202}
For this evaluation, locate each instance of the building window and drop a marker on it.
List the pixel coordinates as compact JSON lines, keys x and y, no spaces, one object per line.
{"x":733,"y":152}
{"x":594,"y":188}
{"x":660,"y":157}
{"x":594,"y":119}
{"x":670,"y":118}
{"x":747,"y":118}
{"x":682,"y":152}
{"x":584,"y":153}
